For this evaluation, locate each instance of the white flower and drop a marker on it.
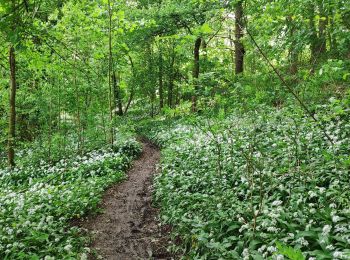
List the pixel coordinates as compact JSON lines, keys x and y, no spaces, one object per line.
{"x":276,"y":203}
{"x":10,"y":231}
{"x":302,"y":241}
{"x":245,"y":252}
{"x":279,"y":257}
{"x":338,"y":254}
{"x":330,"y":247}
{"x":68,"y":248}
{"x":332,"y":205}
{"x":272,"y":229}
{"x":271,"y":249}
{"x":262,"y":249}
{"x":312,"y":194}
{"x":340,"y":229}
{"x":335,"y":218}
{"x":243,"y":227}
{"x":326,"y":229}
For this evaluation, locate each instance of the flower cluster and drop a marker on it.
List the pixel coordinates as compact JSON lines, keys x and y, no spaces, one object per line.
{"x":37,"y":201}
{"x":234,"y":187}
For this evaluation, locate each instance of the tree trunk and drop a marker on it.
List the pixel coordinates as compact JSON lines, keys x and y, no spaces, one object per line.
{"x":232,"y":53}
{"x":322,"y":25}
{"x":117,"y":94}
{"x":132,"y":91}
{"x":77,"y":100}
{"x":313,"y":34}
{"x":171,"y":79}
{"x":110,"y":69}
{"x":293,"y":52}
{"x":12,"y":119}
{"x":160,"y":75}
{"x":239,"y":48}
{"x":129,"y":100}
{"x":196,"y":71}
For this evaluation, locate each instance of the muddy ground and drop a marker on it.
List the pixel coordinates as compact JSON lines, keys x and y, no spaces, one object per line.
{"x":128,"y":228}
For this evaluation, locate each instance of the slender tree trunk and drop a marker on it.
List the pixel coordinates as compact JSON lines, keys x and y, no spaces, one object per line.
{"x":171,"y":80}
{"x":117,"y":94}
{"x":12,"y":118}
{"x":333,"y":45}
{"x":129,"y":100}
{"x":293,"y":53}
{"x":239,"y":48}
{"x":317,"y":38}
{"x":232,"y":53}
{"x":196,"y":71}
{"x":160,"y":75}
{"x":177,"y":90}
{"x":77,"y":100}
{"x":313,"y":34}
{"x":110,"y":69}
{"x":322,"y":33}
{"x":59,"y":128}
{"x":152,"y":104}
{"x":50,"y":120}
{"x":132,"y":91}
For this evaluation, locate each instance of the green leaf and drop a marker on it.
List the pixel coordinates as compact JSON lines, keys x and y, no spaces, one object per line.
{"x":205,"y":28}
{"x":291,"y":253}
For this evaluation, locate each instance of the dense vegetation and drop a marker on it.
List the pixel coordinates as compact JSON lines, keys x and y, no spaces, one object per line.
{"x":248,"y":100}
{"x":235,"y":188}
{"x":37,"y":200}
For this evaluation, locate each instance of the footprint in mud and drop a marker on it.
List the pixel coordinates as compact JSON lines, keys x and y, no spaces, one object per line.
{"x":128,"y":227}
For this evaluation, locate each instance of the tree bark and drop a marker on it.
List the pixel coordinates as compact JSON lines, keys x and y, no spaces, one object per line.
{"x":110,"y":69}
{"x":12,"y":118}
{"x":232,"y":53}
{"x":171,"y":80}
{"x":322,"y":33}
{"x":239,"y":48}
{"x":132,"y":91}
{"x":160,"y":78}
{"x":317,"y":37}
{"x":117,"y":95}
{"x":293,"y":52}
{"x":196,"y":71}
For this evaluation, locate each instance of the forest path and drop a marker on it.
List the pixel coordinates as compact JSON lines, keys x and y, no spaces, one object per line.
{"x":128,"y":228}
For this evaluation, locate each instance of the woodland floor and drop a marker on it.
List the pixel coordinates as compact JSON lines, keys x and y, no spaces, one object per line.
{"x":128,"y":228}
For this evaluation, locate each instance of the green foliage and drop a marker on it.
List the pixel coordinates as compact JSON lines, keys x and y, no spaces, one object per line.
{"x":81,"y":63}
{"x":291,"y":253}
{"x":38,"y":202}
{"x":232,"y":187}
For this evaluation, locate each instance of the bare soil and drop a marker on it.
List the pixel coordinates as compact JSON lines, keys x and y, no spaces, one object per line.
{"x":128,"y":227}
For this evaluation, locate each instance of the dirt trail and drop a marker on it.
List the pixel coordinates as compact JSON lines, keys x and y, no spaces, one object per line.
{"x":127,"y":228}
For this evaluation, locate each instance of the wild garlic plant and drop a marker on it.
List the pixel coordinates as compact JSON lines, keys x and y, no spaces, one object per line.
{"x":257,"y":186}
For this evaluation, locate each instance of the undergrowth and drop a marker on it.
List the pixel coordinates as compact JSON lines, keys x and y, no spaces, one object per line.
{"x":265,"y":184}
{"x":38,"y":200}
